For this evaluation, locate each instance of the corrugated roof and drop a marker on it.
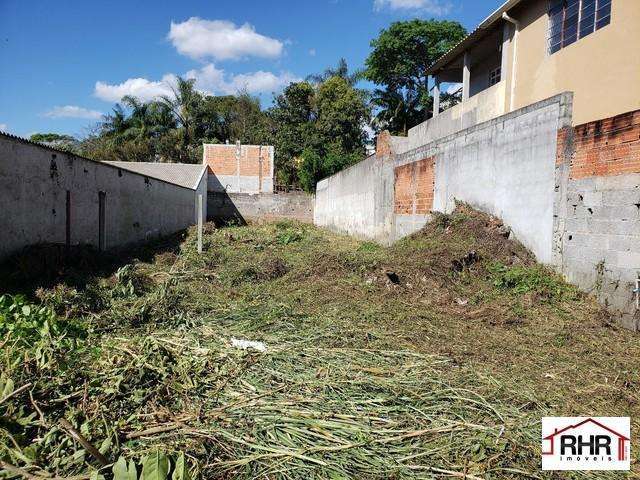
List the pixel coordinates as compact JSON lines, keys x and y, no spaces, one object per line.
{"x":183,"y":174}
{"x":472,"y":37}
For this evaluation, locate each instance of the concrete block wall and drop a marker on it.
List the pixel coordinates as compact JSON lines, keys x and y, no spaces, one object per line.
{"x":265,"y":206}
{"x":601,"y":207}
{"x":505,"y":166}
{"x":43,"y":190}
{"x":239,"y":168}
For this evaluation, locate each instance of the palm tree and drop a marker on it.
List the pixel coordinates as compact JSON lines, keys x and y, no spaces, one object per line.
{"x":183,"y":105}
{"x":397,"y":112}
{"x":341,"y":70}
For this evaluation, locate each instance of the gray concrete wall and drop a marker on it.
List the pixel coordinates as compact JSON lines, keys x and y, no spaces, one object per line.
{"x":263,"y":206}
{"x":248,"y":184}
{"x":601,"y":244}
{"x":358,"y":200}
{"x":505,"y":167}
{"x":34,"y":181}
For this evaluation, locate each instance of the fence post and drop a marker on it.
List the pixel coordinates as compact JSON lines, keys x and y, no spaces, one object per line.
{"x":200,"y":223}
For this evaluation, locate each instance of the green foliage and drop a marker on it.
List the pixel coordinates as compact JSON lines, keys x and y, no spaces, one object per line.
{"x":318,"y":130}
{"x":315,"y":167}
{"x":61,"y":142}
{"x":535,"y":279}
{"x":341,"y":70}
{"x":173,"y":128}
{"x":51,"y":137}
{"x":290,"y":235}
{"x":30,"y":324}
{"x":155,"y":466}
{"x":400,"y":58}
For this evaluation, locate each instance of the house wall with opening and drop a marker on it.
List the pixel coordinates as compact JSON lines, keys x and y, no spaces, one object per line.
{"x":600,"y":63}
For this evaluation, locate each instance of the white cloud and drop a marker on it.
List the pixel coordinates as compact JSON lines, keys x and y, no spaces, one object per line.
{"x":433,"y":7}
{"x":312,"y":52}
{"x":4,"y":127}
{"x":72,"y":111}
{"x":222,"y":40}
{"x":208,"y":79}
{"x":213,"y":80}
{"x":140,"y":88}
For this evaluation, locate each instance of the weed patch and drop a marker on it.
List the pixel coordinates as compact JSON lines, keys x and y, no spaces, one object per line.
{"x":376,"y":362}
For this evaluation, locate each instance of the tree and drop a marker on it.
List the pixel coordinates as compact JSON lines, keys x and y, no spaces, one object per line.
{"x":399,"y":61}
{"x":340,"y":70}
{"x":317,"y":130}
{"x":292,"y":116}
{"x":51,"y":137}
{"x":183,"y":104}
{"x":341,"y":115}
{"x":316,"y":166}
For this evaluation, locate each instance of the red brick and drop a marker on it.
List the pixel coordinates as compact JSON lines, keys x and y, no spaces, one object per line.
{"x":414,"y":187}
{"x":606,"y":147}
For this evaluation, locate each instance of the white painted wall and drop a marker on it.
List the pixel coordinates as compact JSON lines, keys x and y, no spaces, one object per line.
{"x":358,"y":200}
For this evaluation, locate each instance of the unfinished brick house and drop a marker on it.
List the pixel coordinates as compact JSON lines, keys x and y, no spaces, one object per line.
{"x":239,"y":168}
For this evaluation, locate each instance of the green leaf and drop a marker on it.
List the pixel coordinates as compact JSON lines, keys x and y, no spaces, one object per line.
{"x":155,"y":467}
{"x":8,"y":388}
{"x":133,"y":473}
{"x":26,"y":310}
{"x":95,"y":475}
{"x":181,"y":472}
{"x":120,"y":470}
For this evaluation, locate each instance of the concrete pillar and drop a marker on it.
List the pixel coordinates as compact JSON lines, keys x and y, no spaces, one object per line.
{"x":436,"y":96}
{"x":505,"y":67}
{"x":199,"y":200}
{"x":238,"y":154}
{"x":466,"y":76}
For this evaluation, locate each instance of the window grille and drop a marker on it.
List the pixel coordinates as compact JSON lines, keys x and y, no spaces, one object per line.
{"x":494,"y":76}
{"x":571,"y":20}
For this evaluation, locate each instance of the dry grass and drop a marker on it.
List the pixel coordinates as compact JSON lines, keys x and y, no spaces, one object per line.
{"x":432,"y":358}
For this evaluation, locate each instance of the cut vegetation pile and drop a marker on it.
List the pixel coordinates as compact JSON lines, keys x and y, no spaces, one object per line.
{"x":285,"y":351}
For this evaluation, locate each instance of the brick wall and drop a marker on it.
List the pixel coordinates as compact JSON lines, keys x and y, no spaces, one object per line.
{"x":607,"y":147}
{"x":222,"y":159}
{"x":383,"y":144}
{"x":240,"y":169}
{"x":414,"y":183}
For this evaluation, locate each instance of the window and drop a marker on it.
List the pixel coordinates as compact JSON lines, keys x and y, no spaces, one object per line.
{"x":571,"y":20}
{"x":494,"y":76}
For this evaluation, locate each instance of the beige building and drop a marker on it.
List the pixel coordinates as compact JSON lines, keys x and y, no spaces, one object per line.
{"x":529,"y":50}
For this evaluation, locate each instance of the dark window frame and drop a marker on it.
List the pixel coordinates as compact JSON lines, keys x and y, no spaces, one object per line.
{"x":495,"y":76}
{"x":572,"y":20}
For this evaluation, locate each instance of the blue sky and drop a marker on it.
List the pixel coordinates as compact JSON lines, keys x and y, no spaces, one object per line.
{"x":64,"y":63}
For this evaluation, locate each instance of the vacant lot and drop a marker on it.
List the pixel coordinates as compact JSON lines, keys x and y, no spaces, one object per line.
{"x":436,"y":357}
